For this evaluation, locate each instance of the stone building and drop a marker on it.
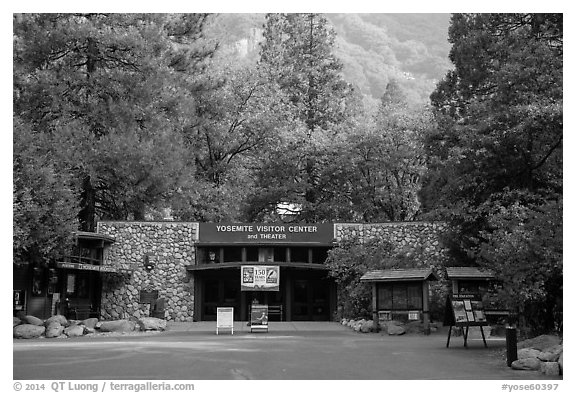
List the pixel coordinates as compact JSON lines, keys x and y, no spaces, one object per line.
{"x":195,"y":267}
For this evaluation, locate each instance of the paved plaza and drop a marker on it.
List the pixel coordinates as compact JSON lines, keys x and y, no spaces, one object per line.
{"x":290,"y":351}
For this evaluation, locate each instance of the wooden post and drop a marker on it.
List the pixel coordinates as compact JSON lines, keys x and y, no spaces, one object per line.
{"x":375,"y":307}
{"x":425,"y":307}
{"x":455,"y":287}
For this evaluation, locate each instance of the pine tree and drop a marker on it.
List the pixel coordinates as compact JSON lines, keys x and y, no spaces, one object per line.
{"x":299,"y":53}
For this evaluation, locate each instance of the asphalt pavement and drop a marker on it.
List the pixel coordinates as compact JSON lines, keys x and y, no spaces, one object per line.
{"x":288,"y":351}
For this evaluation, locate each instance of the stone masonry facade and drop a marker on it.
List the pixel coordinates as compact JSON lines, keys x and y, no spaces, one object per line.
{"x":170,"y":246}
{"x":167,"y":245}
{"x":419,"y":241}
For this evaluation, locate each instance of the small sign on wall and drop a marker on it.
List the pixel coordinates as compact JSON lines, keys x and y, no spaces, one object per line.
{"x":19,"y":300}
{"x":413,"y":315}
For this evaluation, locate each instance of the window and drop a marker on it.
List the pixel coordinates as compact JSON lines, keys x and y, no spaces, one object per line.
{"x":319,"y":254}
{"x":209,"y":255}
{"x":280,"y":254}
{"x":299,"y":254}
{"x":251,"y":254}
{"x":399,"y":296}
{"x":232,"y":254}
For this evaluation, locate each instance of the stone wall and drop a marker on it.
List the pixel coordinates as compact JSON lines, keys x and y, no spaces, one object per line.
{"x":418,"y":241}
{"x":170,"y":247}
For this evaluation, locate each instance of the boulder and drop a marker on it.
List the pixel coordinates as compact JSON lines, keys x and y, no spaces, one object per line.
{"x":550,"y":368}
{"x":61,"y":319}
{"x":90,"y":323}
{"x":151,"y":323}
{"x":88,"y":330}
{"x":74,"y":331}
{"x":395,"y":330}
{"x":54,"y":330}
{"x":16,"y":321}
{"x":367,"y":326}
{"x":120,"y":326}
{"x":28,"y":331}
{"x":525,"y":353}
{"x":32,"y":320}
{"x":551,"y":354}
{"x":526,"y":364}
{"x":540,"y":343}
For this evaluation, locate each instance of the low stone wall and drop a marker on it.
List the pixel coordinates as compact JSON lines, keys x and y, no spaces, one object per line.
{"x":169,"y":246}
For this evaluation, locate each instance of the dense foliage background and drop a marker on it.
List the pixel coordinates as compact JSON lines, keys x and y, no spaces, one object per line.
{"x":223,"y":117}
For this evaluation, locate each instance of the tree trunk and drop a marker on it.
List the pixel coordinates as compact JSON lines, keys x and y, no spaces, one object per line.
{"x":87,"y":214}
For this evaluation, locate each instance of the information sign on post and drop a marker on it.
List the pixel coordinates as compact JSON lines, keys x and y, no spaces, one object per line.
{"x":225,"y":319}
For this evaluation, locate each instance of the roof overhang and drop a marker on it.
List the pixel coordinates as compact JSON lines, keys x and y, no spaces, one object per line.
{"x":93,"y":236}
{"x":395,"y":275}
{"x":469,"y":273}
{"x":237,"y":265}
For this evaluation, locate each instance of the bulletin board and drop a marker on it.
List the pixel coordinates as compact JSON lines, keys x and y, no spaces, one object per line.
{"x":465,"y":310}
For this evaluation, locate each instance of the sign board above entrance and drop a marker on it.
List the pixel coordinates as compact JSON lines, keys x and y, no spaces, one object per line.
{"x":266,"y":233}
{"x":260,"y":278}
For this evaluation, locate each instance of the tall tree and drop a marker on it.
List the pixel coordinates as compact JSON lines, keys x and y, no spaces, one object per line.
{"x":298,"y":53}
{"x":498,"y":151}
{"x":237,"y":123}
{"x":107,"y":76}
{"x":389,"y":160}
{"x":45,"y":201}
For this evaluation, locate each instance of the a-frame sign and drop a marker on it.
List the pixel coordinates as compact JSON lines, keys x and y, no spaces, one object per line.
{"x":465,"y":310}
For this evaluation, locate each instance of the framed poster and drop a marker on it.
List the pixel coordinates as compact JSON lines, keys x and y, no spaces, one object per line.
{"x":459,"y":311}
{"x":19,"y":300}
{"x":479,"y":316}
{"x":259,"y":315}
{"x":478,"y":310}
{"x":260,"y":278}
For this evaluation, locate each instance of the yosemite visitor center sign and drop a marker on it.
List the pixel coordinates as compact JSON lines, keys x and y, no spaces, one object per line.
{"x":211,"y":233}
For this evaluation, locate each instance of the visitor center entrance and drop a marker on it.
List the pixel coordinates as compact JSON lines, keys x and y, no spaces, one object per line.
{"x":305,"y":292}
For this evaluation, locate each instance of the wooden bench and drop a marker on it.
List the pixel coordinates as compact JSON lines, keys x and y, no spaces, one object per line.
{"x":82,"y":311}
{"x":276,"y":311}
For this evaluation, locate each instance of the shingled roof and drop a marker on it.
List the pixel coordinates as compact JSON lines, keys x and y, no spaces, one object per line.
{"x":399,"y":275}
{"x":471,"y":273}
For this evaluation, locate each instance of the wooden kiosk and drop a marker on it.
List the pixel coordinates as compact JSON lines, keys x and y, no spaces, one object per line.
{"x":400,"y":294}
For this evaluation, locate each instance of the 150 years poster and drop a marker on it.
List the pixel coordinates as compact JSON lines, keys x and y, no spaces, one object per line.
{"x":260,"y":278}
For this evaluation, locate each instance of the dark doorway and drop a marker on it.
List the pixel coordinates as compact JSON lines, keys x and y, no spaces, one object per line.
{"x":311,"y":300}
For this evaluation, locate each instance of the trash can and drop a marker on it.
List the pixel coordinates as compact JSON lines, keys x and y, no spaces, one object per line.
{"x":511,"y":345}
